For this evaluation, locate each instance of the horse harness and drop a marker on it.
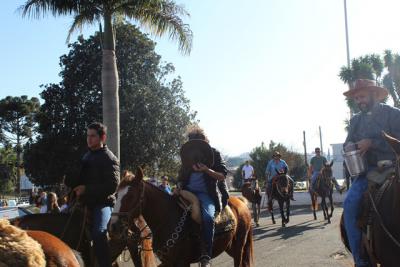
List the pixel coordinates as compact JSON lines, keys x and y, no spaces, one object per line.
{"x":169,"y":243}
{"x":374,"y":201}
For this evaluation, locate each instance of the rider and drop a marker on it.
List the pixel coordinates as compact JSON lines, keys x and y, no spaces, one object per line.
{"x":365,"y":132}
{"x":204,"y":175}
{"x":95,"y":187}
{"x":316,"y":164}
{"x":247,"y":172}
{"x":274,"y":165}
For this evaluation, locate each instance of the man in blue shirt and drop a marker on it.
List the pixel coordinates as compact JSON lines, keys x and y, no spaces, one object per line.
{"x":274,"y":165}
{"x":165,"y":185}
{"x":365,"y":133}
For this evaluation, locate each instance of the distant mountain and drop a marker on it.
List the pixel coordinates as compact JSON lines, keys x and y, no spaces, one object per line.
{"x":236,"y":161}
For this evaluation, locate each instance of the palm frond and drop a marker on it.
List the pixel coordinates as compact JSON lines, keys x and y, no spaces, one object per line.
{"x":38,"y":8}
{"x":87,"y":15}
{"x":160,"y":17}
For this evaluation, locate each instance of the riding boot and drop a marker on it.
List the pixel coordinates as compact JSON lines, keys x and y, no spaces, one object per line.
{"x":204,"y":258}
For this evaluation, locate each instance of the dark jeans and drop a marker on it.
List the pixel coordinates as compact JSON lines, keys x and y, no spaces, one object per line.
{"x":101,"y":217}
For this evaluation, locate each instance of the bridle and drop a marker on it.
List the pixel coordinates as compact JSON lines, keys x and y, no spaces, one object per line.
{"x":277,"y":177}
{"x":127,"y":218}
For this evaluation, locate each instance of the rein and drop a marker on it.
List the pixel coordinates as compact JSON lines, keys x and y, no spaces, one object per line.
{"x":85,"y":213}
{"x":380,"y":220}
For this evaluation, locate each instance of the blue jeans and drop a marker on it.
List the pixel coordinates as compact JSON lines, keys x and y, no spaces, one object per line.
{"x":351,"y":210}
{"x":101,"y":217}
{"x":207,"y":220}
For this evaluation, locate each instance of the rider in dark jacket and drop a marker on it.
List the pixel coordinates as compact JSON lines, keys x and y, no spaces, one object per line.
{"x":206,"y":179}
{"x":95,"y":186}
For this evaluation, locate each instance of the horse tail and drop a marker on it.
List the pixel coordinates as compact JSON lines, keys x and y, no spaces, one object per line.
{"x":248,"y":250}
{"x":79,"y":258}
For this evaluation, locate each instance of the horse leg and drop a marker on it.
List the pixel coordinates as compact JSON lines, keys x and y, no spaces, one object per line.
{"x":255,"y":215}
{"x":287,"y":210}
{"x":280,"y":202}
{"x":323,"y":206}
{"x":271,"y":210}
{"x":331,"y":202}
{"x":313,"y":201}
{"x":258,"y":210}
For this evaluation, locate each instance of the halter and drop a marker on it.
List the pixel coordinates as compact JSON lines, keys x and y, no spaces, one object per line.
{"x":276,"y":184}
{"x":128,"y":216}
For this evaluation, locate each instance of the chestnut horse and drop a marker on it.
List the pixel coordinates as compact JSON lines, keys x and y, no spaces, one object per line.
{"x":69,"y":228}
{"x":251,"y":192}
{"x":323,"y":189}
{"x":174,"y":235}
{"x":384,"y":244}
{"x":281,"y":192}
{"x":58,"y":254}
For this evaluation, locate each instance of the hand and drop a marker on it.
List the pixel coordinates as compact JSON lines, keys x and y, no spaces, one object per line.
{"x":200,"y":167}
{"x":364,"y":145}
{"x":79,"y":190}
{"x":176,"y":191}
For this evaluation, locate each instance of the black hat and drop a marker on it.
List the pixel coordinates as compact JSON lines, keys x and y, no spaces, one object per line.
{"x":196,"y":151}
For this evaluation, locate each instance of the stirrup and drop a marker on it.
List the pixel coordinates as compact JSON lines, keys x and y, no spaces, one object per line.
{"x":205,"y":261}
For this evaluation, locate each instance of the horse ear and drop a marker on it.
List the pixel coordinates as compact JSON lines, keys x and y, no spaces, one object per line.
{"x":330,"y":165}
{"x":139,"y":173}
{"x":393,"y":142}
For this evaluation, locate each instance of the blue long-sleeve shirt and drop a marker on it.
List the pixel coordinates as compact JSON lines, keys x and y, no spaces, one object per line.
{"x":274,"y":166}
{"x":369,"y":125}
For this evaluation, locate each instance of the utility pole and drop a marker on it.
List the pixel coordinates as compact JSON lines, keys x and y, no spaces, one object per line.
{"x":347,"y":47}
{"x":320,"y":140}
{"x":305,"y":157}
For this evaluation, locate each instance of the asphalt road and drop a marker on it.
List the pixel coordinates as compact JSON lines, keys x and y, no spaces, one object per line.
{"x":304,"y":242}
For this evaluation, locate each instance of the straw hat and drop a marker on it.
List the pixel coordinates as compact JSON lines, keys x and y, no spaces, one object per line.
{"x":367,"y":85}
{"x":196,"y":151}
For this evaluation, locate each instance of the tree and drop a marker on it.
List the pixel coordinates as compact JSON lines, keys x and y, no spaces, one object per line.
{"x":16,"y":124}
{"x":365,"y":67}
{"x":392,"y":79}
{"x":8,"y":172}
{"x":159,"y":16}
{"x":261,"y":155}
{"x":154,"y":109}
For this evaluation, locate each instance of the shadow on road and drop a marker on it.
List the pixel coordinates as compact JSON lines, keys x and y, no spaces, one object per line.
{"x":289,"y":231}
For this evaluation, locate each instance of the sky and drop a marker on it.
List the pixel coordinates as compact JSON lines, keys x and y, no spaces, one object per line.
{"x":259,"y":70}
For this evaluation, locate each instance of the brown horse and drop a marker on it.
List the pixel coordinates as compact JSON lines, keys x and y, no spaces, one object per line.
{"x":18,"y":249}
{"x":281,"y":192}
{"x":175,"y":237}
{"x":69,"y":228}
{"x":323,"y":189}
{"x":251,"y":191}
{"x":384,"y":244}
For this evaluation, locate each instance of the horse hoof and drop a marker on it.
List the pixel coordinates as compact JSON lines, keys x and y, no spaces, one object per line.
{"x":257,"y":224}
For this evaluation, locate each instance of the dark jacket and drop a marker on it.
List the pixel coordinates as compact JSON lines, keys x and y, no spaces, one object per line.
{"x":212,"y":184}
{"x":100,"y":175}
{"x":370,"y":125}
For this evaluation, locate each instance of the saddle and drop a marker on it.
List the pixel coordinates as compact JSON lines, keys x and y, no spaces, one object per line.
{"x":225,"y":220}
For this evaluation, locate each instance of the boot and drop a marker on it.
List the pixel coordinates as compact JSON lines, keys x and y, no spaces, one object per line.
{"x":205,"y":261}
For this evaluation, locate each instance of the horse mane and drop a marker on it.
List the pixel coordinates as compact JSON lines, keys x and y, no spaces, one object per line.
{"x":19,"y":249}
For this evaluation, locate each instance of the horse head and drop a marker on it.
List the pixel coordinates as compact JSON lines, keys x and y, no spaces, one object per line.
{"x":128,"y":206}
{"x":282,"y":182}
{"x":327,"y":170}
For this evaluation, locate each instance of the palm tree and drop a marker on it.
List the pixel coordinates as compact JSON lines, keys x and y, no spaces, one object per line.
{"x":158,"y":16}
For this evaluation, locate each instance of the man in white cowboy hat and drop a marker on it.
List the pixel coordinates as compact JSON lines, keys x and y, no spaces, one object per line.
{"x":365,"y":133}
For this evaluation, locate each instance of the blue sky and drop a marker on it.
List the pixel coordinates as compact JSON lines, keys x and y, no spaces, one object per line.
{"x":259,"y":70}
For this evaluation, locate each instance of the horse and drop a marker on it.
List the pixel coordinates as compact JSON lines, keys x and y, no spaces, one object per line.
{"x":70,"y":229}
{"x":323,"y":189}
{"x":175,"y":236}
{"x":280,"y":191}
{"x":383,"y":246}
{"x":251,"y":191}
{"x":34,"y":249}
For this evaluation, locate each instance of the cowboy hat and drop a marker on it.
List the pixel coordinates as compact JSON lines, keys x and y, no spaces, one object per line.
{"x":365,"y":84}
{"x":276,"y":154}
{"x":196,"y":151}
